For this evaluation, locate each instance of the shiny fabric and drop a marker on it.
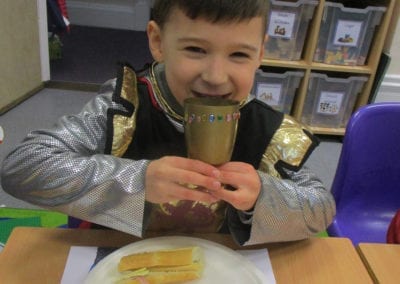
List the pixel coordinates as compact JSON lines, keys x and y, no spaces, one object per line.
{"x":289,"y":144}
{"x":65,"y":169}
{"x":185,"y":216}
{"x":124,"y":125}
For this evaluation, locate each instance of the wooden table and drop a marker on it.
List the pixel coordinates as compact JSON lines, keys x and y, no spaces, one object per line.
{"x":38,"y":255}
{"x":382,"y":261}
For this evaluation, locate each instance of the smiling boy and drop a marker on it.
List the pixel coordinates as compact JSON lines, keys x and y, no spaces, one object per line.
{"x":122,"y":163}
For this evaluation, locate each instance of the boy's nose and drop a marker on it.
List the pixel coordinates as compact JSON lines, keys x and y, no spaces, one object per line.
{"x":215,"y":72}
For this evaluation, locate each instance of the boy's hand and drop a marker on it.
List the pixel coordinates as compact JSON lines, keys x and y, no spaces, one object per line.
{"x":167,"y":179}
{"x":245,"y":179}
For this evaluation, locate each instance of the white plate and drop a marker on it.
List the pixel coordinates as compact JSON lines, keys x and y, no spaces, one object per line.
{"x":222,"y":265}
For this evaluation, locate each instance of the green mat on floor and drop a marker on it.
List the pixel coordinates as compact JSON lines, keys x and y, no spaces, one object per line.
{"x":15,"y":217}
{"x":323,"y":234}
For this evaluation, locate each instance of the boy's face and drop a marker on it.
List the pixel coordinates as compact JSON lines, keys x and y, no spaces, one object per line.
{"x":208,"y":59}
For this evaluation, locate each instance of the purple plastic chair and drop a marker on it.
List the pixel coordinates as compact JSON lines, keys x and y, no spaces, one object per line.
{"x":366,"y":186}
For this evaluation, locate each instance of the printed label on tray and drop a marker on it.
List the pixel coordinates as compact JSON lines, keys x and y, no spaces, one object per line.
{"x":281,"y":24}
{"x":330,"y":103}
{"x":269,"y":93}
{"x":347,"y":33}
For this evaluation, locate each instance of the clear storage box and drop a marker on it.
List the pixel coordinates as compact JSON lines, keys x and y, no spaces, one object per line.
{"x":287,"y":28}
{"x":330,"y":100}
{"x":346,"y":34}
{"x":277,"y":89}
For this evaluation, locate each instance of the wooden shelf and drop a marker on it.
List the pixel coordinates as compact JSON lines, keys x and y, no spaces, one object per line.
{"x":300,"y":64}
{"x":315,"y":66}
{"x":328,"y":131}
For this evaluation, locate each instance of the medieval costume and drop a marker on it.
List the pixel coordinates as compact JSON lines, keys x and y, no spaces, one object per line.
{"x":92,"y":166}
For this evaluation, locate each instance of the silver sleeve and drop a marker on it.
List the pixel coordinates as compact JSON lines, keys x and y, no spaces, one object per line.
{"x":65,"y":169}
{"x":291,"y":209}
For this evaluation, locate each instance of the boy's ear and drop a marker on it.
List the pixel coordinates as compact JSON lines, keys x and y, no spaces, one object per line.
{"x":154,"y":36}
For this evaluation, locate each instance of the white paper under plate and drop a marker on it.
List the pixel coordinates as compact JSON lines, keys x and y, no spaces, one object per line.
{"x":222,"y":264}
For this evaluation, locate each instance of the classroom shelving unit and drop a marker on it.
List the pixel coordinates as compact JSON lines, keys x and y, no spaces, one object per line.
{"x":307,"y":65}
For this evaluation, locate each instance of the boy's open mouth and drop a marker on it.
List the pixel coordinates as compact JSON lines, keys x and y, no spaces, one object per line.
{"x":202,"y":95}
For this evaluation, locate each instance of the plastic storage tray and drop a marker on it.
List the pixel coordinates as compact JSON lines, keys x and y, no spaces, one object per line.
{"x":287,"y":28}
{"x":277,"y":89}
{"x":330,"y":101}
{"x":346,"y":34}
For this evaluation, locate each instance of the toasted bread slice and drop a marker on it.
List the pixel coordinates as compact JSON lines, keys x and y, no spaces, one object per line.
{"x":161,"y":258}
{"x":162,"y":266}
{"x":162,"y":277}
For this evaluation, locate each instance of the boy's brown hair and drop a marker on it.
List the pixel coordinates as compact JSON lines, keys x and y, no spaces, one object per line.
{"x":212,"y":10}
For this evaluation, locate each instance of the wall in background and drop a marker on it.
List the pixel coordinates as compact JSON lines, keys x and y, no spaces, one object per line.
{"x":394,"y":51}
{"x":390,"y":87}
{"x":19,"y":61}
{"x":118,"y":14}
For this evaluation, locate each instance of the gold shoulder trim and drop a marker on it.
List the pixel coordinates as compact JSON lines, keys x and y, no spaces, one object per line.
{"x":289,"y":144}
{"x":124,"y":126}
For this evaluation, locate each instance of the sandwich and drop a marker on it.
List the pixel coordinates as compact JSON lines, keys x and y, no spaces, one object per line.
{"x":162,"y":266}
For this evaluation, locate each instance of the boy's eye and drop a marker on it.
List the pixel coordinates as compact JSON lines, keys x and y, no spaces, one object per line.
{"x":195,"y":49}
{"x":240,"y":55}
